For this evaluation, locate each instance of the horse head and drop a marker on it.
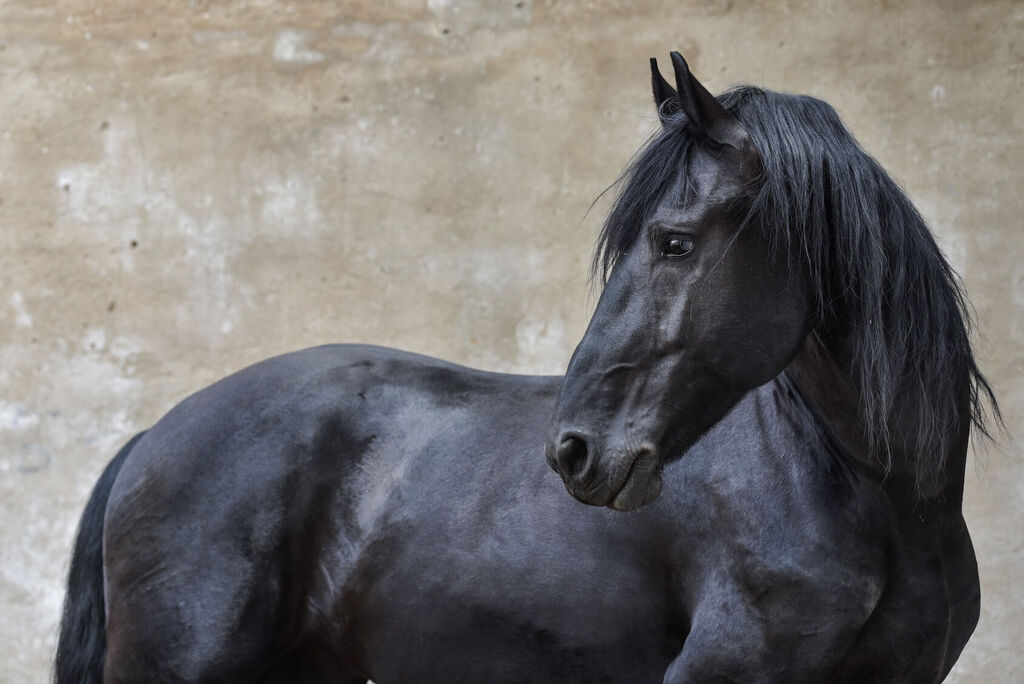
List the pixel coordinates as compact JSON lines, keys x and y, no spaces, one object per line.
{"x":699,"y":305}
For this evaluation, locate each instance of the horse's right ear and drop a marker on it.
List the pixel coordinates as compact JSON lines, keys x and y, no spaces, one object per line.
{"x":665,"y":96}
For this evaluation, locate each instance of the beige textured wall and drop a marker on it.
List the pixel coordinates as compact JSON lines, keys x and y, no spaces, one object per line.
{"x":188,"y":187}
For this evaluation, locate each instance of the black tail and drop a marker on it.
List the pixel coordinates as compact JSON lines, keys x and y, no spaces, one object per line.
{"x":82,"y":645}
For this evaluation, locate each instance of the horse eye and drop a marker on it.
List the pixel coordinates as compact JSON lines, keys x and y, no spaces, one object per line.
{"x":677,"y":246}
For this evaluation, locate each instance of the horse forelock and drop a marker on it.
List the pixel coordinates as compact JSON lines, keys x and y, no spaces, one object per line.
{"x":874,"y":270}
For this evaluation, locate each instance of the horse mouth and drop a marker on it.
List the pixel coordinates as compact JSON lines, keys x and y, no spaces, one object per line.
{"x":642,"y":483}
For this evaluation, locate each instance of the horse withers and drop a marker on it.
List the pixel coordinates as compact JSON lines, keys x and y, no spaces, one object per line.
{"x":777,"y":383}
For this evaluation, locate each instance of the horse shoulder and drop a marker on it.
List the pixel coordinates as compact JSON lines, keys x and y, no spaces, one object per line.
{"x":786,"y":563}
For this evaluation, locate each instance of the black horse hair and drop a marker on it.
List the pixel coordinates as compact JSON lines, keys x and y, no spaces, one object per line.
{"x":876,"y":275}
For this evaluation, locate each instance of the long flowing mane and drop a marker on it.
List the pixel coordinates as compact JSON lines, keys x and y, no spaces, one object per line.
{"x":876,"y":275}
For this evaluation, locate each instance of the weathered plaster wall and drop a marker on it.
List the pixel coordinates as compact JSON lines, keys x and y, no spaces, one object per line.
{"x":189,"y":187}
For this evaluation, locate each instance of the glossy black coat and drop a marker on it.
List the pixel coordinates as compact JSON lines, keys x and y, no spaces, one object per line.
{"x":381,"y":514}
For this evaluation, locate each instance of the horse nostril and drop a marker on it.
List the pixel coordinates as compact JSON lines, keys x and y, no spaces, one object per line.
{"x":571,"y":456}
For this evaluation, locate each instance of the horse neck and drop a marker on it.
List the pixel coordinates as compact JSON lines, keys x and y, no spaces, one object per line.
{"x":822,"y":372}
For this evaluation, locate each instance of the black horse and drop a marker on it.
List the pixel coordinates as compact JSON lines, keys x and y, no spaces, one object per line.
{"x":780,"y":351}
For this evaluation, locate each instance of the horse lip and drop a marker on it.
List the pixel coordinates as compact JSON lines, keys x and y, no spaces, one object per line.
{"x":591,"y":495}
{"x":602,"y":493}
{"x":644,"y":460}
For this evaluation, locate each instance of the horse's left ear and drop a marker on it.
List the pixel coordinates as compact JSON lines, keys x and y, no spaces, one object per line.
{"x":706,"y":114}
{"x":665,"y":98}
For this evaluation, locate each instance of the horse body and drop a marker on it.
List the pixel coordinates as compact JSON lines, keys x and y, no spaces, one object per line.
{"x":777,"y":385}
{"x":386,"y":515}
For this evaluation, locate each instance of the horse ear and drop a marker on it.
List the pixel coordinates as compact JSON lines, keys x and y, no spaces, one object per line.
{"x":665,"y":97}
{"x":705,"y":113}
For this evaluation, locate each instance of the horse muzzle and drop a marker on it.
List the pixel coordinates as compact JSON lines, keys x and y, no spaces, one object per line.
{"x":622,"y":478}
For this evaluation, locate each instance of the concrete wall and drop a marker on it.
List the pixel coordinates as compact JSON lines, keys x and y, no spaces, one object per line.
{"x":188,"y":187}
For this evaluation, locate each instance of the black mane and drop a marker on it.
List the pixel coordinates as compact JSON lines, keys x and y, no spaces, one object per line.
{"x":876,"y":275}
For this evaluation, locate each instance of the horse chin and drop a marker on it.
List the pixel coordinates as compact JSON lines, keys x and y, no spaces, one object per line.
{"x":641,"y":487}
